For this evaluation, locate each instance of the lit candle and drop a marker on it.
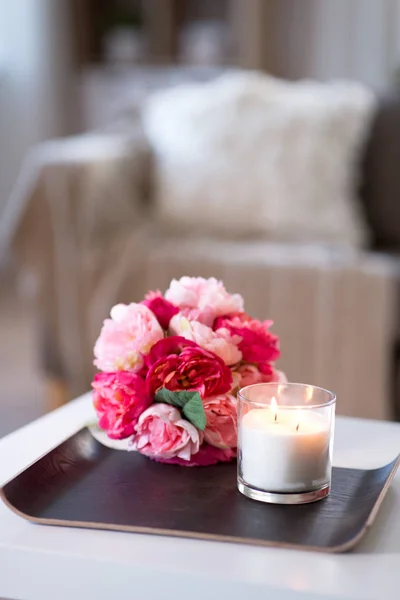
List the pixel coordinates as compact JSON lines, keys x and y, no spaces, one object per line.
{"x":285,"y":450}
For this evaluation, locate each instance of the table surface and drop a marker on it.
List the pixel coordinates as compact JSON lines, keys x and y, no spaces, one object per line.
{"x":46,"y":562}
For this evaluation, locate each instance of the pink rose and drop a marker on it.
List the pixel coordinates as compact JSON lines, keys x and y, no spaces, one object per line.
{"x":206,"y":456}
{"x":163,"y":310}
{"x":258,"y":345}
{"x":203,"y":299}
{"x":179,"y":364}
{"x":221,"y":342}
{"x":126,"y":338}
{"x":221,"y":415}
{"x":119,"y":399}
{"x":251,"y":374}
{"x":162,"y":433}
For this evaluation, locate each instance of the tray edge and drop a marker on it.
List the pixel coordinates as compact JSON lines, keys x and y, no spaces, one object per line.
{"x":341,"y":548}
{"x":33,"y":462}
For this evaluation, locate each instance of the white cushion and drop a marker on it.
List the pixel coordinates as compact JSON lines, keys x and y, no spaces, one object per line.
{"x":248,"y":154}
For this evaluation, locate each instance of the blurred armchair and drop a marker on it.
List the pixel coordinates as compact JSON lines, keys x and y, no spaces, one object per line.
{"x":85,"y":222}
{"x":73,"y":210}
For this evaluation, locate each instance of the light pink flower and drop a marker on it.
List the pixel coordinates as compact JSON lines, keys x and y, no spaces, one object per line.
{"x":221,"y":415}
{"x":205,"y":316}
{"x":119,"y":399}
{"x":179,"y":364}
{"x":250,"y":374}
{"x":162,"y":433}
{"x":208,"y":297}
{"x":247,"y":374}
{"x":221,"y":342}
{"x":126,"y":338}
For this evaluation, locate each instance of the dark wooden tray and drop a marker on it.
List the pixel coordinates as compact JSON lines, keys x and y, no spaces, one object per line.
{"x":82,"y":483}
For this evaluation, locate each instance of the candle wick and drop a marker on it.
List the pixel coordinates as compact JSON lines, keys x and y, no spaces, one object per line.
{"x":297,"y":426}
{"x":276,"y":417}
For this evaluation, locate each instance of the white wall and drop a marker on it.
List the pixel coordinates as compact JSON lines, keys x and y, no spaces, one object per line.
{"x":34,"y":68}
{"x":327,"y":39}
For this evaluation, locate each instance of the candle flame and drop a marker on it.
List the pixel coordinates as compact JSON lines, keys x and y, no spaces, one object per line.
{"x":274,"y":408}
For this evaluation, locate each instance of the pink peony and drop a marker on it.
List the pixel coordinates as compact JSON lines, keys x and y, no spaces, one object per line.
{"x":258,"y":345}
{"x":203,"y":299}
{"x":163,"y":310}
{"x":119,"y":399}
{"x":162,"y":433}
{"x":206,"y":456}
{"x":206,"y":316}
{"x":179,"y":364}
{"x":221,"y":342}
{"x":251,"y":374}
{"x":126,"y":338}
{"x":221,"y":415}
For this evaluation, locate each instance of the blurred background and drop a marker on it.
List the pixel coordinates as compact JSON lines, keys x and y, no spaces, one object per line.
{"x":75,"y":211}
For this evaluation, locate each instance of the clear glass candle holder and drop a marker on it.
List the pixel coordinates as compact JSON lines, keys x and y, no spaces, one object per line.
{"x":285,"y":442}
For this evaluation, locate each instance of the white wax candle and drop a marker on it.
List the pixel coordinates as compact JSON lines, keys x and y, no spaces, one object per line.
{"x":285,"y":451}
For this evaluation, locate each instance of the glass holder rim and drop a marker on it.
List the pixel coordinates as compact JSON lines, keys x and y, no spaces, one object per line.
{"x":330,"y":402}
{"x":285,"y":497}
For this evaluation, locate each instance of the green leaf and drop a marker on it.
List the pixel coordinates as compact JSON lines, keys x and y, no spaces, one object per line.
{"x":177,"y":399}
{"x":189,"y":403}
{"x":194,"y":412}
{"x":173,"y":398}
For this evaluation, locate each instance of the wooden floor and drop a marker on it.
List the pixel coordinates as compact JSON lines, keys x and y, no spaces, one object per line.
{"x":21,"y":391}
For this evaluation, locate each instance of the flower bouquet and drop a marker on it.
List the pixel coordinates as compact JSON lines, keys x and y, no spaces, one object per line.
{"x":170,"y":367}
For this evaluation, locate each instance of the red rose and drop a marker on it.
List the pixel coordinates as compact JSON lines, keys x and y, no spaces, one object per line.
{"x":162,"y":309}
{"x":179,"y":364}
{"x":119,"y":399}
{"x":258,"y":345}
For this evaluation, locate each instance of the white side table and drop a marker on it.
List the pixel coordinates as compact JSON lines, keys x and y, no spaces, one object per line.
{"x":47,"y":563}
